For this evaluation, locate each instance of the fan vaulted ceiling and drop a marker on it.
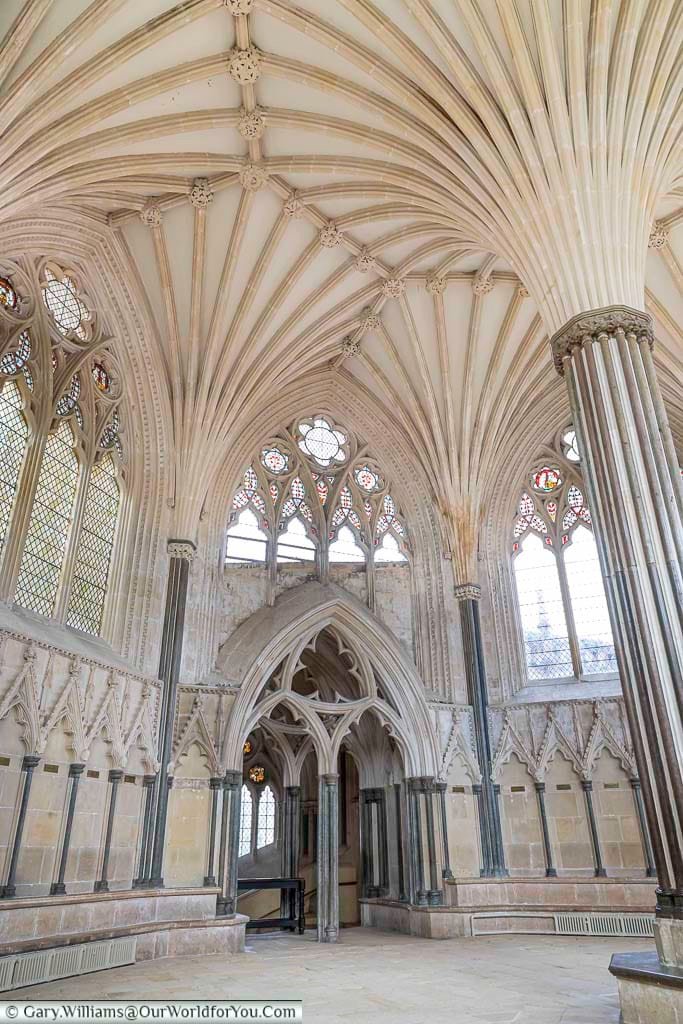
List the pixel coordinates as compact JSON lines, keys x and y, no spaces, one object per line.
{"x":412,"y":193}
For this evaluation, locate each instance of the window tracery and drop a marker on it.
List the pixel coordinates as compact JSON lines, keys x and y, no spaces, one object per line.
{"x":313,"y":494}
{"x":561,"y":598}
{"x":61,"y":454}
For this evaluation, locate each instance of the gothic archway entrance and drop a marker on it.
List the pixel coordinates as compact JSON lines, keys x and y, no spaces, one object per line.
{"x":323,"y":680}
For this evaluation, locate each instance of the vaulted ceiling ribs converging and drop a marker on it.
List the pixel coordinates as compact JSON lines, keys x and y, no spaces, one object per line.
{"x":406,"y":192}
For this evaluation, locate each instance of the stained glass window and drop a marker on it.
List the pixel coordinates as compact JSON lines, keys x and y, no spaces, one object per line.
{"x":246,"y":807}
{"x":101,"y":377}
{"x":13,"y":438}
{"x":547,"y":479}
{"x":49,"y":525}
{"x":570,"y":447}
{"x":275,"y":460}
{"x":13,"y":362}
{"x":389,"y":551}
{"x":257,"y":774}
{"x":67,"y":403}
{"x":247,"y":748}
{"x":8,"y":296}
{"x":95,"y":544}
{"x":265,"y":828}
{"x":68,"y":312}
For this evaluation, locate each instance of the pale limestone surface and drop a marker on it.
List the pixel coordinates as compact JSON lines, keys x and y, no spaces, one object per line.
{"x":375,"y":977}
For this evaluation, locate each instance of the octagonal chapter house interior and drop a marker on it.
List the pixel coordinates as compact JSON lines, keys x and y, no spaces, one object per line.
{"x":340,"y":493}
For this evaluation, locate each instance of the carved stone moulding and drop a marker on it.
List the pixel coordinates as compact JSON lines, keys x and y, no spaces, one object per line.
{"x":365,"y":261}
{"x":659,"y":235}
{"x":330,"y":235}
{"x":482,"y":285}
{"x":293,"y":207}
{"x":436,"y":285}
{"x":370,"y":321}
{"x":591,"y":325}
{"x":467,"y":592}
{"x":150,"y":214}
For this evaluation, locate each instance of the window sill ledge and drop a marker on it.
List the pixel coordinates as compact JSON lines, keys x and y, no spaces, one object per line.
{"x":566,"y":689}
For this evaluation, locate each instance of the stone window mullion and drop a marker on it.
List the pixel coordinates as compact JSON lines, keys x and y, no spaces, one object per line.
{"x":64,"y":591}
{"x":572,"y":635}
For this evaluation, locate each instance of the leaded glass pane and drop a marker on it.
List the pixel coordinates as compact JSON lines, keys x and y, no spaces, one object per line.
{"x":389,"y":551}
{"x":294,"y":545}
{"x":13,"y":437}
{"x":246,"y":541}
{"x":265,"y":828}
{"x":544,"y":625}
{"x":95,"y":543}
{"x":245,"y":822}
{"x":346,"y":548}
{"x":48,"y":529}
{"x":589,"y":604}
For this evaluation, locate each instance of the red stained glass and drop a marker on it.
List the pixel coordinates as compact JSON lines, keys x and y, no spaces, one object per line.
{"x":101,"y":377}
{"x":547,"y":479}
{"x":8,"y":296}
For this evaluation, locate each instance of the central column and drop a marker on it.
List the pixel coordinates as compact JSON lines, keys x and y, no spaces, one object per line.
{"x":181,"y":553}
{"x":290,"y":846}
{"x":633,"y":481}
{"x":328,"y":858}
{"x":492,"y":853}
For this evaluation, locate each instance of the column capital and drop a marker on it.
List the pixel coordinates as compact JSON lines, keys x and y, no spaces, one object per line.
{"x":588,"y":326}
{"x":441,"y":787}
{"x":177,"y":548}
{"x":232,"y":778}
{"x":587,"y":785}
{"x":75,"y":770}
{"x":467,"y":592}
{"x":116,"y":774}
{"x":330,"y":778}
{"x":215,"y":783}
{"x":540,"y":787}
{"x":30,"y":762}
{"x":148,"y":780}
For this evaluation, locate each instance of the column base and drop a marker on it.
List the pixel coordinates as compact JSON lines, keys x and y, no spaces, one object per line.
{"x":210,"y":881}
{"x":102,"y":885}
{"x":669,"y":941}
{"x":494,"y":873}
{"x":156,"y":883}
{"x":550,"y":873}
{"x":225,"y":908}
{"x":649,"y":991}
{"x":601,"y":873}
{"x":140,"y":883}
{"x":421,"y":898}
{"x":8,"y":892}
{"x":331,"y":934}
{"x":447,"y":875}
{"x":58,"y":889}
{"x":435,"y":898}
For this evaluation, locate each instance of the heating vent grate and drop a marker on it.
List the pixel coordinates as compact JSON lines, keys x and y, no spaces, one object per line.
{"x":605,"y":924}
{"x":51,"y":964}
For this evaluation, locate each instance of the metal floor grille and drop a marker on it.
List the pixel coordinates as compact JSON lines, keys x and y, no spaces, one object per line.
{"x":22,"y":969}
{"x":641,"y":925}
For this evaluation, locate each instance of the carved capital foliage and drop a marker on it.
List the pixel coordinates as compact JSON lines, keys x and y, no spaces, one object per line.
{"x":251,"y":124}
{"x":365,"y":261}
{"x":237,"y":7}
{"x":436,"y":285}
{"x":181,"y":549}
{"x":350,"y":347}
{"x":467,"y":592}
{"x":393,"y":287}
{"x":245,"y":65}
{"x":253,"y":177}
{"x":659,"y":235}
{"x":293,"y":208}
{"x":330,"y":235}
{"x":610,"y":321}
{"x":482,"y":285}
{"x":150,"y":214}
{"x":370,"y":321}
{"x":201,"y":193}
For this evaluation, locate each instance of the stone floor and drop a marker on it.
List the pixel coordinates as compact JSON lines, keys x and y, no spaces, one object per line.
{"x":375,"y":977}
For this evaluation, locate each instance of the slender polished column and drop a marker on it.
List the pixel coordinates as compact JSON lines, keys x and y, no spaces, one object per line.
{"x":642,"y":825}
{"x":328,"y":858}
{"x":291,"y":833}
{"x":27,"y":767}
{"x":434,"y":893}
{"x":634,"y":487}
{"x":587,"y":788}
{"x":493,"y":857}
{"x":102,"y":884}
{"x":58,"y":888}
{"x":210,"y":876}
{"x":418,"y":890}
{"x":399,"y":843}
{"x":146,"y":808}
{"x":441,"y":789}
{"x":181,"y":553}
{"x":545,"y":832}
{"x":226,"y":905}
